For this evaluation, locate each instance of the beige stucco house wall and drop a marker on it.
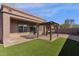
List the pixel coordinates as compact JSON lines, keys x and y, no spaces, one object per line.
{"x":9,"y":19}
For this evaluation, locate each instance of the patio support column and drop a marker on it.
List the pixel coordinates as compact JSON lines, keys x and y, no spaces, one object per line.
{"x":1,"y":26}
{"x":50,"y":33}
{"x":44,"y":29}
{"x":37,"y":31}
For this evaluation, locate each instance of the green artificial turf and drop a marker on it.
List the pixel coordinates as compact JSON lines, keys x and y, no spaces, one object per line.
{"x":34,"y":48}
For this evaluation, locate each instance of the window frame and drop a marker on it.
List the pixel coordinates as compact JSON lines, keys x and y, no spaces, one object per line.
{"x":23,"y":29}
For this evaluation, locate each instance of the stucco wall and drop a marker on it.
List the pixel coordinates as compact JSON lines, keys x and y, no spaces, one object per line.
{"x":40,"y":30}
{"x":13,"y":26}
{"x":6,"y":27}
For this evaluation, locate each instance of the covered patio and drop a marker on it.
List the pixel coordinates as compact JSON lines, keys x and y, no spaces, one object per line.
{"x":45,"y":30}
{"x":49,"y":30}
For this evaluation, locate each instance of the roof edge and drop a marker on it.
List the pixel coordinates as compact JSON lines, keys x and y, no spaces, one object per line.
{"x":20,"y":11}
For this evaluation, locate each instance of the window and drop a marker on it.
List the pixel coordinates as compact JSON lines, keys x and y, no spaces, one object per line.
{"x":32,"y":28}
{"x":22,"y":28}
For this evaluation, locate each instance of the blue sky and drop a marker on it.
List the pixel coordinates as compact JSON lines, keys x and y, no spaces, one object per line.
{"x":57,"y":12}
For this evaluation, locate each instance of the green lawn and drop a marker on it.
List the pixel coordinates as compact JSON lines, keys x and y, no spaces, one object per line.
{"x":34,"y":48}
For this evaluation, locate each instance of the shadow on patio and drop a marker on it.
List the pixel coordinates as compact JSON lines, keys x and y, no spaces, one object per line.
{"x":28,"y":36}
{"x":70,"y":48}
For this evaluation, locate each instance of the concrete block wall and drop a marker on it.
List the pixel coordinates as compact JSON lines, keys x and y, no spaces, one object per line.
{"x":68,"y":30}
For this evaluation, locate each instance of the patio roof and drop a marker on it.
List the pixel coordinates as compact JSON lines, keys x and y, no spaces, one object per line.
{"x":49,"y":23}
{"x":50,"y":28}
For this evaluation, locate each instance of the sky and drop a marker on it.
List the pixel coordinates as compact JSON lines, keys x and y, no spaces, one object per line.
{"x":57,"y":12}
